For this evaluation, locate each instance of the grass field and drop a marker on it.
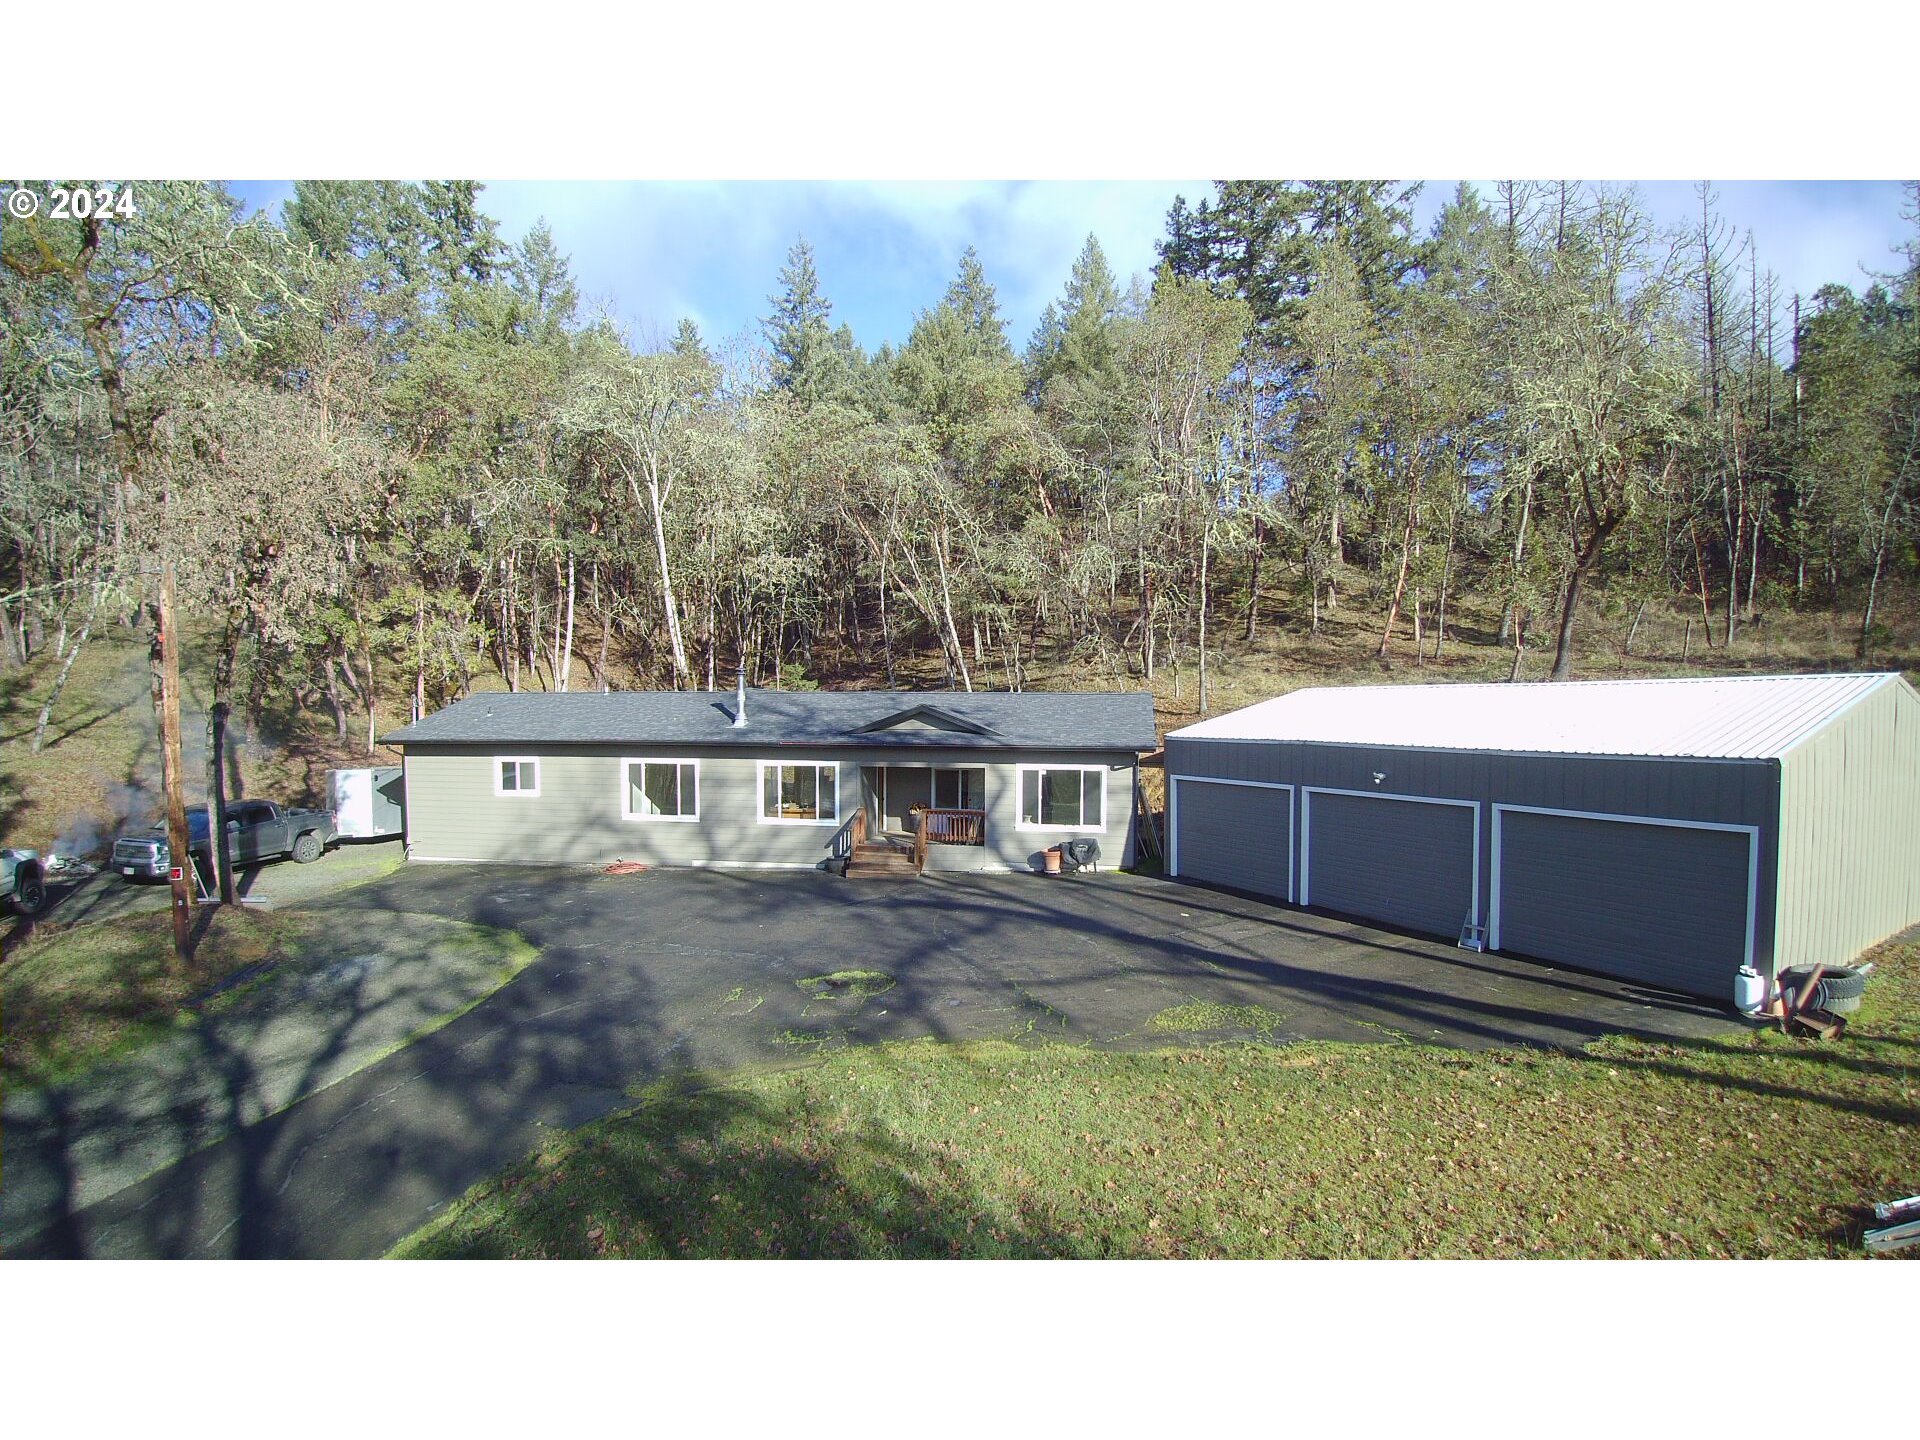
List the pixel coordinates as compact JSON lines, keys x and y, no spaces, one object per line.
{"x":1753,"y":1146}
{"x":72,"y":998}
{"x":77,"y":996}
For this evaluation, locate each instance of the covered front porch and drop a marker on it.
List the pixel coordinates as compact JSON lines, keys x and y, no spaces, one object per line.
{"x":914,"y":817}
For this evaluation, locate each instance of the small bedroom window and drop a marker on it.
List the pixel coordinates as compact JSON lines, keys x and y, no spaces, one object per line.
{"x":516,"y":775}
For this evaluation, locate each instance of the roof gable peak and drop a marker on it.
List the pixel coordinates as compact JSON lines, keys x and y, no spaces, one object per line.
{"x":924,"y":716}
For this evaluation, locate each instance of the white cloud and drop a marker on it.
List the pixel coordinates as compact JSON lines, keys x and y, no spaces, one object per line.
{"x":885,"y":250}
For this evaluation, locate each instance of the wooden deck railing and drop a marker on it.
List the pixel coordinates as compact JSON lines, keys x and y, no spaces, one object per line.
{"x":946,"y":827}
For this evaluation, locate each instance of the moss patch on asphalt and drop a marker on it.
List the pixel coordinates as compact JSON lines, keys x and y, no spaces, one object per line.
{"x":1203,"y":1016}
{"x":846,"y":984}
{"x":1751,"y":1145}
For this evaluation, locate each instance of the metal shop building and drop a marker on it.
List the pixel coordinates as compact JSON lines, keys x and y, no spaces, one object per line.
{"x":1663,"y":831}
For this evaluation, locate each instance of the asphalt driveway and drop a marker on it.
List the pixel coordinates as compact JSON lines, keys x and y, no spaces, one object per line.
{"x":689,"y":971}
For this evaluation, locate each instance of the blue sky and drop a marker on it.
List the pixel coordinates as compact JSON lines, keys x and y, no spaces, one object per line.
{"x":651,"y":252}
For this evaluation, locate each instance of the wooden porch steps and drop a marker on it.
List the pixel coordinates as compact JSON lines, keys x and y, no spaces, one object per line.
{"x":880,"y":859}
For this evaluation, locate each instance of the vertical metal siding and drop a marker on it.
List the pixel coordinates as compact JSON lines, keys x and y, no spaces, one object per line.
{"x":1740,"y":792}
{"x":1850,"y":831}
{"x":1408,"y":863}
{"x":1661,"y":904}
{"x":1239,"y":836}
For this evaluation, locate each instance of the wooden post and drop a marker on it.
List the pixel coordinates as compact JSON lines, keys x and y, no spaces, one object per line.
{"x":163,"y":659}
{"x":217,"y":800}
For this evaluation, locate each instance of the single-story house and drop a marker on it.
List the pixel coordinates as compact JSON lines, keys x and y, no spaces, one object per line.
{"x":1665,"y":831}
{"x":759,"y":778}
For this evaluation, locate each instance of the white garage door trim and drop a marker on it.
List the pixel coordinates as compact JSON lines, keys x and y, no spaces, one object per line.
{"x":1752,"y":832}
{"x":1174,"y":782}
{"x":1306,"y":834}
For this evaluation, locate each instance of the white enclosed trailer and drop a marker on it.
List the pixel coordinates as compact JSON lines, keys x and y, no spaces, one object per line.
{"x":368,"y":804}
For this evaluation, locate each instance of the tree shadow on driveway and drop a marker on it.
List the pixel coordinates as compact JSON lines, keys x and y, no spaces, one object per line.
{"x":698,"y":972}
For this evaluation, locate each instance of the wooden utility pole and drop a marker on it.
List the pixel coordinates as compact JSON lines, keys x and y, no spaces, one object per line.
{"x":163,"y":663}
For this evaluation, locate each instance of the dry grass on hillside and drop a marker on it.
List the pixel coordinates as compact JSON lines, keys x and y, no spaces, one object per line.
{"x":100,"y":768}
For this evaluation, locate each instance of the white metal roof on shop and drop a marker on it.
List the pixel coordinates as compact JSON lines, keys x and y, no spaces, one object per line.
{"x":1756,"y":717}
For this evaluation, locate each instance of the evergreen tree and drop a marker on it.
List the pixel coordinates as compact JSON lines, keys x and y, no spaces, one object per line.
{"x":971,"y":297}
{"x":806,"y":363}
{"x":542,"y":278}
{"x":1260,"y":241}
{"x":1078,"y":336}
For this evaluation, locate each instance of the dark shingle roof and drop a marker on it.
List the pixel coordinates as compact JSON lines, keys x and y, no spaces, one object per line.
{"x":998,"y":720}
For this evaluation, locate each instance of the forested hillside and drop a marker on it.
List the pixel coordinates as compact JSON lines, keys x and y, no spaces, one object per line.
{"x":387,"y":453}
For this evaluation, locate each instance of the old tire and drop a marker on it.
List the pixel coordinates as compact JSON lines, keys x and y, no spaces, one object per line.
{"x":29,"y":891}
{"x":1845,"y":983}
{"x":307,"y":848}
{"x":1841,"y":982}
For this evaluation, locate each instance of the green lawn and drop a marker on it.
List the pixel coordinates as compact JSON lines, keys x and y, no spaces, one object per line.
{"x":70,"y":998}
{"x":1754,"y":1146}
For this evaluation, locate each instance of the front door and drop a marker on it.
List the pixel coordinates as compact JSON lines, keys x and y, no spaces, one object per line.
{"x":901,"y":788}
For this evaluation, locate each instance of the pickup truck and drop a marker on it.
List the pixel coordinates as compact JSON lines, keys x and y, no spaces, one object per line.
{"x":256,"y":830}
{"x":23,"y":880}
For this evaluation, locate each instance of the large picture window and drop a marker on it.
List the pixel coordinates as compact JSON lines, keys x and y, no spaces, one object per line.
{"x":960,"y":789}
{"x":1063,"y":797}
{"x":799,"y":794}
{"x":661,"y":789}
{"x":516,"y":775}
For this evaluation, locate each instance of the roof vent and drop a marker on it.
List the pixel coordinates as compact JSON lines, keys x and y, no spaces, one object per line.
{"x":740,"y":698}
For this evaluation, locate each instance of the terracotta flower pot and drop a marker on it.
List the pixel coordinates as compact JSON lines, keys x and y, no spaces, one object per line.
{"x":1051,"y":857}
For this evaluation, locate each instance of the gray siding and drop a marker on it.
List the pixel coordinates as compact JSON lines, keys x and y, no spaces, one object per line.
{"x":1407,"y":863}
{"x":1656,"y":903}
{"x":1239,"y":836}
{"x":576,"y":818}
{"x":1731,"y":792}
{"x":1850,"y":831}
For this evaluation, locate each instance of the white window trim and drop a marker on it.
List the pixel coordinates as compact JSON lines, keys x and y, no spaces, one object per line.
{"x":760,"y":792}
{"x":627,"y":812}
{"x":1020,"y":800}
{"x":533,"y":760}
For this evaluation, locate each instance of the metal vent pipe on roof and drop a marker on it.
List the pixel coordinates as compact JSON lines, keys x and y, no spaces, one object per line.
{"x":740,"y":698}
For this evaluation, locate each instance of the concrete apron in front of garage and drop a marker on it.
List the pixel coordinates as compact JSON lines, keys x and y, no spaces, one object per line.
{"x":701,"y":972}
